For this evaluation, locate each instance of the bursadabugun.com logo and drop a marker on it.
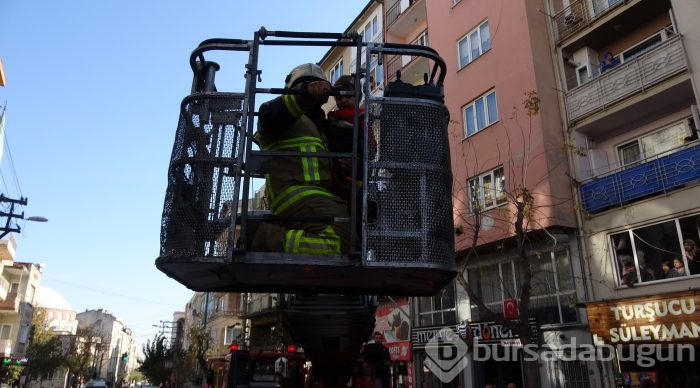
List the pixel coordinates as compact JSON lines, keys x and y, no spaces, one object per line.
{"x":446,"y":354}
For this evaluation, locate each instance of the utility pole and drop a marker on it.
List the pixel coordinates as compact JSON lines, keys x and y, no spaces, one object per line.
{"x":7,"y":228}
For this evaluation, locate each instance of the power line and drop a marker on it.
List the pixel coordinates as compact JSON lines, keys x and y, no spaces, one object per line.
{"x":112,"y":293}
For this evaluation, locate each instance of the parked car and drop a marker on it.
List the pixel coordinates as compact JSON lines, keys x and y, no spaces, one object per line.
{"x":95,"y":383}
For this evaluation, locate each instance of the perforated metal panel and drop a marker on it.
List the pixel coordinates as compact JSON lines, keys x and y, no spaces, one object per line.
{"x":203,"y":178}
{"x":410,"y":180}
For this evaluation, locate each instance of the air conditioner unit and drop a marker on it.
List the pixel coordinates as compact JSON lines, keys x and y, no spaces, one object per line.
{"x":588,"y":68}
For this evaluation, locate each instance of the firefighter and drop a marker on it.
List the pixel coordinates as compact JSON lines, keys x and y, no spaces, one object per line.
{"x":300,"y":186}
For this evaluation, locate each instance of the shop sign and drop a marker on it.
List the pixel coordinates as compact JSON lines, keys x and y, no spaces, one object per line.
{"x":392,"y":319}
{"x":421,"y":336}
{"x":489,"y":332}
{"x":400,"y":351}
{"x":670,"y":318}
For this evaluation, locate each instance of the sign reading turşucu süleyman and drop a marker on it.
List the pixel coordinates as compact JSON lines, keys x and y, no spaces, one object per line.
{"x":668,"y":318}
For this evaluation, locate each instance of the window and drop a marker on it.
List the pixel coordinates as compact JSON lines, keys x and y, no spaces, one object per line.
{"x":438,"y":309}
{"x":480,"y":113}
{"x":663,"y":251}
{"x":454,"y":2}
{"x":233,"y":333}
{"x":652,"y":144}
{"x":32,"y":292}
{"x":487,"y":191}
{"x":553,"y":297}
{"x":475,"y":43}
{"x":5,"y":332}
{"x":336,"y":72}
{"x":14,"y":287}
{"x":376,"y":74}
{"x":422,"y":39}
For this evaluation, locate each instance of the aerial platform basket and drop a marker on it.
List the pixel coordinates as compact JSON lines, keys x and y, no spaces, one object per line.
{"x":405,"y":239}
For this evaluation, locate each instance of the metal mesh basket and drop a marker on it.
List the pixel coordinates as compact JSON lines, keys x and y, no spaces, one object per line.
{"x":410,"y":180}
{"x":203,"y":178}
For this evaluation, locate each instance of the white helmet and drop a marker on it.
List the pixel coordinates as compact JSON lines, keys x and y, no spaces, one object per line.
{"x":304,"y":73}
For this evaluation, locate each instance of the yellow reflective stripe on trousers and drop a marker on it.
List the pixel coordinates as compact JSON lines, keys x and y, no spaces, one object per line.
{"x":295,"y":142}
{"x":290,"y":102}
{"x":299,"y":241}
{"x":294,"y":193}
{"x":310,"y":165}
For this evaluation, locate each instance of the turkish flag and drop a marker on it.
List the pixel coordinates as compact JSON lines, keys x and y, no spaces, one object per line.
{"x":510,"y":309}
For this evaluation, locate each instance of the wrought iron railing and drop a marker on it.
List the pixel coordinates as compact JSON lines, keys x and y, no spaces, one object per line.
{"x":655,"y":65}
{"x":393,"y":13}
{"x":580,"y":14}
{"x":395,"y":62}
{"x":654,"y":176}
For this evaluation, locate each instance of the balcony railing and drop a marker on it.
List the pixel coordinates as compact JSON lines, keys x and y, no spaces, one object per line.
{"x":395,"y":11}
{"x":580,"y":14}
{"x":657,"y":64}
{"x":260,"y":303}
{"x":227,"y":313}
{"x":11,"y":302}
{"x":655,"y":176}
{"x":395,"y":62}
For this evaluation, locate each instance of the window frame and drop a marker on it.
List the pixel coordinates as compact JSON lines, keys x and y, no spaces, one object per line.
{"x":639,"y":140}
{"x":558,"y":293}
{"x":469,"y":49}
{"x":9,"y":332}
{"x":497,"y":200}
{"x":617,"y":265}
{"x":443,"y":311}
{"x":484,"y":100}
{"x":336,"y":71}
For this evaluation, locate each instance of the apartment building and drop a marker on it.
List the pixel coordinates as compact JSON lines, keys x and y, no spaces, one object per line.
{"x":632,"y":126}
{"x":114,"y":340}
{"x":18,"y":287}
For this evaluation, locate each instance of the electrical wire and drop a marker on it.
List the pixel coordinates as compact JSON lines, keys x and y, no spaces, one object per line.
{"x":112,"y":293}
{"x":12,"y":165}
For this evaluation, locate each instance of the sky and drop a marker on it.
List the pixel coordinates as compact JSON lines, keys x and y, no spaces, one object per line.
{"x":93,"y":89}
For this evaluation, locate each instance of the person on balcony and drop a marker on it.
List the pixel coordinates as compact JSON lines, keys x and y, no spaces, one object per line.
{"x":609,"y":61}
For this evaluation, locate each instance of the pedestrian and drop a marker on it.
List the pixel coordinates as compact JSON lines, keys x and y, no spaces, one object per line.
{"x":378,"y":355}
{"x":300,"y":186}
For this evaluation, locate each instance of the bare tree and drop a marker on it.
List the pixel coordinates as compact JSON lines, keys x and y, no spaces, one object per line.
{"x":525,"y":209}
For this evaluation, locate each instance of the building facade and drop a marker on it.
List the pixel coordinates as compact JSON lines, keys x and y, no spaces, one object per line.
{"x":113,"y":341}
{"x":20,"y":282}
{"x":630,"y":96}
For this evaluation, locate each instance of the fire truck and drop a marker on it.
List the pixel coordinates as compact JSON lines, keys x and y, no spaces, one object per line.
{"x":404,"y":215}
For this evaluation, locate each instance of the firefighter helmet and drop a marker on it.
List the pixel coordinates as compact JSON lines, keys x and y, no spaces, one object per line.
{"x":304,"y":72}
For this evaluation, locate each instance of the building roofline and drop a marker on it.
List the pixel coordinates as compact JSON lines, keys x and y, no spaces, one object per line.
{"x":357,"y":18}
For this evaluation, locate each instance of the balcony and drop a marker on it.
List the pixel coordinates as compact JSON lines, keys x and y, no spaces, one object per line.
{"x":654,"y":176}
{"x":227,"y":313}
{"x":412,"y":67}
{"x":11,"y":303}
{"x":4,"y":287}
{"x":7,"y":248}
{"x":400,"y":22}
{"x":650,"y":68}
{"x":580,"y":14}
{"x":259,"y":304}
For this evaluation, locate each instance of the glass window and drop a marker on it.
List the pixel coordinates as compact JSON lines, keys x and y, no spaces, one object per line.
{"x":480,"y":113}
{"x":656,"y":143}
{"x":553,"y":297}
{"x":439,"y":309}
{"x":336,"y":72}
{"x":629,"y":153}
{"x":487,"y":190}
{"x":663,"y":251}
{"x":474,"y":44}
{"x":375,"y":26}
{"x":469,"y":120}
{"x":5,"y":332}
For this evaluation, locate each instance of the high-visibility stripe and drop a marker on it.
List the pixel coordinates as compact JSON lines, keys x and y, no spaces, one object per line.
{"x":294,"y":193}
{"x":291,"y":244}
{"x":290,"y":102}
{"x":300,"y":241}
{"x":295,"y":142}
{"x":310,"y":166}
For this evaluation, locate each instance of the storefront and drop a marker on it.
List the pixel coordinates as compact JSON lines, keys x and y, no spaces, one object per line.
{"x":497,"y":358}
{"x":393,"y":322}
{"x":652,"y":340}
{"x":423,"y":376}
